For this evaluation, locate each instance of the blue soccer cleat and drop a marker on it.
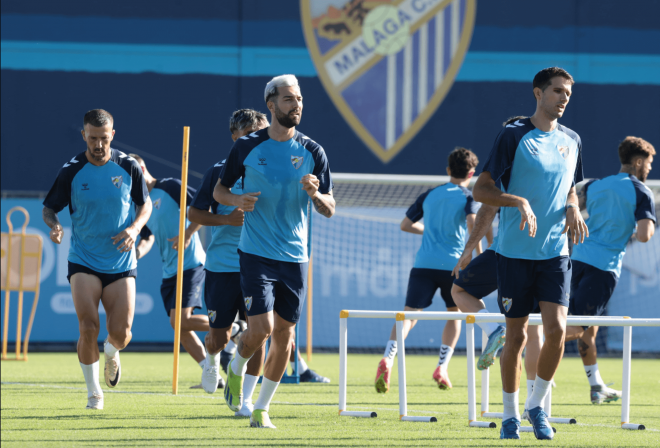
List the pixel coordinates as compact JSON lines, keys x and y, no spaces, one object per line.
{"x":539,"y":420}
{"x":510,"y":429}
{"x":495,"y":343}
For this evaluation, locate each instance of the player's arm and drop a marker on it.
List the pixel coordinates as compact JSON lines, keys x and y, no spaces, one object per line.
{"x":206,"y":218}
{"x":408,"y":225}
{"x":144,"y":246}
{"x":574,"y":220}
{"x":486,"y":192}
{"x":50,"y":218}
{"x":323,"y":203}
{"x":224,"y":196}
{"x":482,"y":223}
{"x":645,"y":230}
{"x":129,"y":235}
{"x":470,"y":225}
{"x":489,"y":235}
{"x":188,"y":234}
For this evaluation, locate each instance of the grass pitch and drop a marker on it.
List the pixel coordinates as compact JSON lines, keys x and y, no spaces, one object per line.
{"x":43,"y":404}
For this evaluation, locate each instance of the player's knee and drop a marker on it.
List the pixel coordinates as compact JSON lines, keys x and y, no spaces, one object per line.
{"x":554,"y":334}
{"x":120,"y":336}
{"x":89,"y":328}
{"x":515,"y":339}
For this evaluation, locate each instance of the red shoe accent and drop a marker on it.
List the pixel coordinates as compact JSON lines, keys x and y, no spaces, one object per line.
{"x":442,"y":378}
{"x":383,"y":377}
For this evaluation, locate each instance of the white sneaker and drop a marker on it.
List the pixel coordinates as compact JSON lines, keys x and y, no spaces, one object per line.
{"x":95,"y":401}
{"x":112,"y":370}
{"x":210,"y":377}
{"x":246,"y":410}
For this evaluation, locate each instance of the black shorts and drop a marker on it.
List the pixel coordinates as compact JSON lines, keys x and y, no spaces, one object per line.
{"x":223,"y":297}
{"x":192,"y":290}
{"x":106,"y":279}
{"x":591,"y":289}
{"x":479,"y":278}
{"x":423,"y":284}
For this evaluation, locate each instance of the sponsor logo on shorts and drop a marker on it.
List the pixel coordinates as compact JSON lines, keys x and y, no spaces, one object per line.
{"x":157,"y":203}
{"x":198,"y":291}
{"x":506,"y":303}
{"x":296,"y":161}
{"x":212,"y":316}
{"x":248,"y":303}
{"x":117,"y":181}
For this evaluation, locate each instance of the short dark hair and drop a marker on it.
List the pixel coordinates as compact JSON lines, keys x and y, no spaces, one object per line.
{"x":512,"y":119}
{"x":98,"y":118}
{"x":461,"y":161}
{"x":245,"y":118}
{"x":544,"y":78}
{"x":632,"y":147}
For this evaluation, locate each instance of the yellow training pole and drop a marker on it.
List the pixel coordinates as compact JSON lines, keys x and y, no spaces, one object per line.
{"x":179,"y":269}
{"x":309,"y":311}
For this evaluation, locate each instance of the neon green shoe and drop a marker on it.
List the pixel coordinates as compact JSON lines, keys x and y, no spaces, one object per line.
{"x":260,"y":419}
{"x":234,"y":390}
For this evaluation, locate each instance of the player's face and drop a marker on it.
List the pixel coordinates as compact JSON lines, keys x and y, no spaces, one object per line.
{"x":645,"y":168}
{"x":242,"y":133}
{"x":98,"y":141}
{"x":288,"y":107}
{"x":555,"y":97}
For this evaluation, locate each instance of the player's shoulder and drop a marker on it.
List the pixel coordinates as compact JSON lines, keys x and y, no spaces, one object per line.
{"x":128,"y":163}
{"x":517,"y":129}
{"x":309,"y":144}
{"x":640,"y":187}
{"x":73,"y":166}
{"x":248,"y":142}
{"x":569,"y":132}
{"x":466,"y":192}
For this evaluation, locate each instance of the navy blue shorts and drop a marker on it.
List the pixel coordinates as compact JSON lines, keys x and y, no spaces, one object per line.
{"x":192,"y":290}
{"x":106,"y":279}
{"x":591,"y":289}
{"x":423,"y":284}
{"x":522,"y":284}
{"x":479,"y":278}
{"x":223,"y":297}
{"x":271,"y":285}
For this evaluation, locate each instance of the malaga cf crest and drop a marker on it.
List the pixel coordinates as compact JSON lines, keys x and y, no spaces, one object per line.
{"x":387,"y":64}
{"x":117,"y":181}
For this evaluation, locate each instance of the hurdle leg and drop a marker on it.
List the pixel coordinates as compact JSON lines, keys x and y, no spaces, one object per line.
{"x":485,"y":378}
{"x":472,"y":387}
{"x":625,"y":395}
{"x":343,"y":372}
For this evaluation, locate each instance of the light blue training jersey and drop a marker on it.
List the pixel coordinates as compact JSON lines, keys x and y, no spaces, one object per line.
{"x":164,"y":223}
{"x":614,"y":204}
{"x":444,"y":209}
{"x":540,"y":167}
{"x":100,"y":200}
{"x":277,"y":227}
{"x":222,"y":252}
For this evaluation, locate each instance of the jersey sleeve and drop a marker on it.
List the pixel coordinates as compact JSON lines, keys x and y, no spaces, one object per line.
{"x":471,"y":206}
{"x":203,"y":199}
{"x":145,"y":233}
{"x":59,"y":195}
{"x":645,"y":207}
{"x":500,"y":159}
{"x":139,"y":190}
{"x":233,"y":168}
{"x":322,"y":170}
{"x":416,"y":211}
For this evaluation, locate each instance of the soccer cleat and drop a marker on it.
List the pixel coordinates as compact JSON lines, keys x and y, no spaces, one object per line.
{"x":234,"y":390}
{"x":495,"y":343}
{"x":602,"y":394}
{"x":95,"y":401}
{"x":310,"y":376}
{"x":225,"y":359}
{"x":383,"y":377}
{"x":210,"y":378}
{"x":539,"y":420}
{"x":246,"y":410}
{"x":260,"y":419}
{"x":442,"y":378}
{"x":112,"y":370}
{"x":221,"y":384}
{"x":510,"y":429}
{"x":525,"y":416}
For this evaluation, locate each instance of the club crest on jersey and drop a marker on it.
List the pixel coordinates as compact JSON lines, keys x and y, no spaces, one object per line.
{"x":506,"y":303}
{"x":212,"y":315}
{"x":564,"y":151}
{"x":248,"y":303}
{"x":117,"y":181}
{"x":388,"y":64}
{"x":296,"y":161}
{"x":157,"y":203}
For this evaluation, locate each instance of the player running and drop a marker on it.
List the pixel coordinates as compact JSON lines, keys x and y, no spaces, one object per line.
{"x":616,"y":204}
{"x":100,"y":187}
{"x":282,"y":170}
{"x":163,"y":229}
{"x":537,"y":163}
{"x":449,"y":214}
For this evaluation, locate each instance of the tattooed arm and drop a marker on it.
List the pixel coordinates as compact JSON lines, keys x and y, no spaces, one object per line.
{"x":323,"y":203}
{"x":50,"y":218}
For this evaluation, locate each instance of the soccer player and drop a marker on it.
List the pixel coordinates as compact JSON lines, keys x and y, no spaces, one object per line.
{"x":449,"y":213}
{"x":163,"y":229}
{"x":616,"y":204}
{"x":282,"y":170}
{"x":100,"y":186}
{"x":537,"y":163}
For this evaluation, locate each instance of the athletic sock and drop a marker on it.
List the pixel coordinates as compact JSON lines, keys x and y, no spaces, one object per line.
{"x":212,"y":360}
{"x":110,"y":349}
{"x":541,"y":388}
{"x":530,"y":389}
{"x":239,"y":364}
{"x":390,"y":353}
{"x":266,"y":393}
{"x":510,"y":401}
{"x":230,"y":348}
{"x":91,"y":374}
{"x":249,"y":383}
{"x":593,"y":374}
{"x":302,"y":366}
{"x":487,"y":327}
{"x":445,"y":355}
{"x":202,"y":363}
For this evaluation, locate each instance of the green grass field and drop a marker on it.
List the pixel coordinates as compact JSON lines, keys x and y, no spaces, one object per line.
{"x":43,"y":404}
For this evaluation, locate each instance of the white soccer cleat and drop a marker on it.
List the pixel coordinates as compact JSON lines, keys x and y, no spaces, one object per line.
{"x":95,"y":401}
{"x":211,"y":377}
{"x":112,"y":370}
{"x":260,"y":419}
{"x":246,"y":410}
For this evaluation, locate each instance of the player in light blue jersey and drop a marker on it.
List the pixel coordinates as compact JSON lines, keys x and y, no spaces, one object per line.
{"x":616,"y":205}
{"x":100,"y":186}
{"x":282,"y":171}
{"x":163,"y":229}
{"x":448,"y":212}
{"x":537,"y":163}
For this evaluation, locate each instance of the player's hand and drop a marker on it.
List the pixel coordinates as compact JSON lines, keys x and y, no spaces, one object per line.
{"x":575,"y":222}
{"x":527,"y":216}
{"x":56,"y":234}
{"x":236,"y":218}
{"x":186,"y":241}
{"x":310,"y":183}
{"x":246,"y":201}
{"x":466,"y":258}
{"x":128,"y":235}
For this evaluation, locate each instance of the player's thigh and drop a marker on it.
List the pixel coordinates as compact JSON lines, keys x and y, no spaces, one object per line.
{"x":589,"y":296}
{"x":223,"y":297}
{"x":515,"y":284}
{"x":290,"y":291}
{"x":119,"y":302}
{"x":479,"y":278}
{"x":283,"y":329}
{"x":552,"y":281}
{"x":185,"y":315}
{"x":444,"y":282}
{"x":421,"y":288}
{"x":258,"y":278}
{"x":86,"y":290}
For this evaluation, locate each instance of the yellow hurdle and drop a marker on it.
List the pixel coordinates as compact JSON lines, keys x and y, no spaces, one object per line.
{"x":21,"y":271}
{"x":179,"y":270}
